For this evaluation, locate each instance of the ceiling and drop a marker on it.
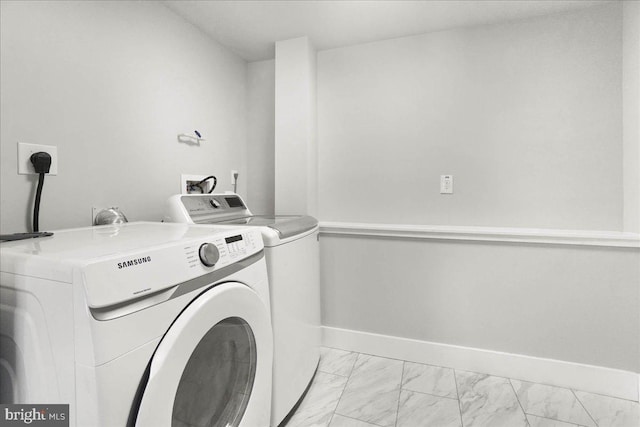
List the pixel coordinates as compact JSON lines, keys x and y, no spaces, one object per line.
{"x":251,"y":28}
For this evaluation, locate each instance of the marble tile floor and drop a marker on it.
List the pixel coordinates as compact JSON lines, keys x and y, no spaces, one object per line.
{"x":361,"y":390}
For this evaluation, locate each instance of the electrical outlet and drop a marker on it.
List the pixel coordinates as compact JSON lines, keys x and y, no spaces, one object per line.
{"x":446,"y":184}
{"x":234,"y":175}
{"x":25,"y":167}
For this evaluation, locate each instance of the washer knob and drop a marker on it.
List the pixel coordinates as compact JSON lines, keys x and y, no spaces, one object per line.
{"x":209,"y":254}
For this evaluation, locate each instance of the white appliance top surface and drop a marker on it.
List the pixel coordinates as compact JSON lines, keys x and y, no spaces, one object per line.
{"x":261,"y":220}
{"x":118,"y":263}
{"x":229,"y":208}
{"x":101,"y":241}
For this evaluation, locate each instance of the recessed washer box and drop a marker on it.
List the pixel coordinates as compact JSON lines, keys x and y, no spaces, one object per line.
{"x":190,"y":179}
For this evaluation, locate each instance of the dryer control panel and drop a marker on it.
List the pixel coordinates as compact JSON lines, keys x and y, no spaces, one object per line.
{"x":205,"y":208}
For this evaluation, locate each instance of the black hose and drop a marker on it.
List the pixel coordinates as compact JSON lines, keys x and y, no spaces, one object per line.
{"x":215,"y":181}
{"x":36,"y":204}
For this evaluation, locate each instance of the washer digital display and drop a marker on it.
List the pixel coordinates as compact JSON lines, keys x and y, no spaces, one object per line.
{"x":233,"y":239}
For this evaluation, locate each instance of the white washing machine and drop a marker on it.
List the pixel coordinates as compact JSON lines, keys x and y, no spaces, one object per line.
{"x":292,"y":253}
{"x":139,"y":324}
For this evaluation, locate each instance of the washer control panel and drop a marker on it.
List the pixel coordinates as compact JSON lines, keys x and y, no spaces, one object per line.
{"x":238,"y":246}
{"x":224,"y":249}
{"x":192,"y":251}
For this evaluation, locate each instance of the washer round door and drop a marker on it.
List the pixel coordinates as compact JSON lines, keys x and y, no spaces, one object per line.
{"x":213,"y":366}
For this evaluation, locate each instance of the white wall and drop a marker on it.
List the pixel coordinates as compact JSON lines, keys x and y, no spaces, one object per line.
{"x":111,"y":84}
{"x":526,"y":116}
{"x":261,"y":134}
{"x":570,"y":303}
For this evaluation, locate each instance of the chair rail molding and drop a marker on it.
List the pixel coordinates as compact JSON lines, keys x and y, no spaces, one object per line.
{"x":488,"y":234}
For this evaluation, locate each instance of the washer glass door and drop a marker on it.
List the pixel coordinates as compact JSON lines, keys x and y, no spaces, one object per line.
{"x":216,"y":383}
{"x":213,"y":366}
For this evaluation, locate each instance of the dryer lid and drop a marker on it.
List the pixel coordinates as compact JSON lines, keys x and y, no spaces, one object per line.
{"x":285,"y":225}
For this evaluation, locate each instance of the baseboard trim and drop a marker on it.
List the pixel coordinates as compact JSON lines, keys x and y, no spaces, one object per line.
{"x":594,"y":379}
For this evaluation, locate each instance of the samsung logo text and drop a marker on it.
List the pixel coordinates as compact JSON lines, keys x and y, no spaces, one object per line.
{"x":133,"y":262}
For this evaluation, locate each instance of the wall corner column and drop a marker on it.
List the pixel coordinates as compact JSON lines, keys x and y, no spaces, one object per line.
{"x":295,"y":128}
{"x":631,"y":115}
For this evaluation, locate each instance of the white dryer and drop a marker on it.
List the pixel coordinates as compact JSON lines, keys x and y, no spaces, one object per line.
{"x":139,"y":324}
{"x":292,"y":253}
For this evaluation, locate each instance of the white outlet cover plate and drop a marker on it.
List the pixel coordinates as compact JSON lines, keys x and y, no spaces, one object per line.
{"x":26,"y":150}
{"x":446,"y":184}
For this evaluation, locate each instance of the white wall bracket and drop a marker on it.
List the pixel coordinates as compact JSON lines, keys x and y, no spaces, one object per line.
{"x":190,"y":139}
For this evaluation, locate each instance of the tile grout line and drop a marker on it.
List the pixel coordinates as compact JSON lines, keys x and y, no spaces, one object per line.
{"x":331,"y":373}
{"x":320,"y":369}
{"x":358,"y":419}
{"x":556,"y":386}
{"x":353,"y":364}
{"x":462,"y":423}
{"x":486,"y":373}
{"x":455,"y":380}
{"x":400,"y":393}
{"x":429,"y":394}
{"x":584,"y":407}
{"x":400,"y":360}
{"x":343,"y":389}
{"x":568,"y":423}
{"x":603,"y":395}
{"x":526,"y":419}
